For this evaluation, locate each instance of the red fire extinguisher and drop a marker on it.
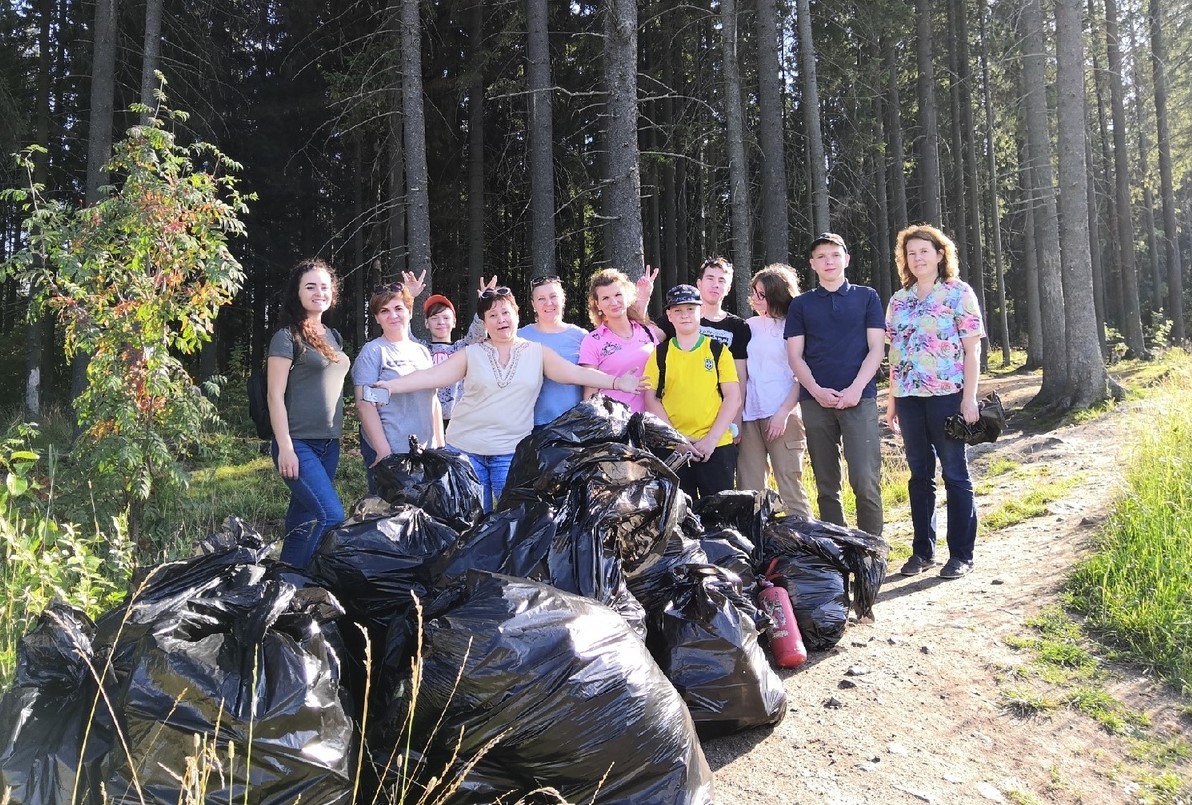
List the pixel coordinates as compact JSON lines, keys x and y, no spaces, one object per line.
{"x":785,"y":640}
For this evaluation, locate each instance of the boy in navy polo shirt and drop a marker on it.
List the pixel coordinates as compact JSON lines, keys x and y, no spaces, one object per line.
{"x":835,"y":339}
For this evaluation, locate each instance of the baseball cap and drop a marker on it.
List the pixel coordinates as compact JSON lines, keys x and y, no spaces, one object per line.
{"x":827,"y":237}
{"x":437,"y":299}
{"x":682,"y":295}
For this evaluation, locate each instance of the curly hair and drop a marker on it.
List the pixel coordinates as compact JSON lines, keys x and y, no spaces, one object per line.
{"x":780,"y":284}
{"x":949,"y":266}
{"x":305,"y":331}
{"x":602,"y":279}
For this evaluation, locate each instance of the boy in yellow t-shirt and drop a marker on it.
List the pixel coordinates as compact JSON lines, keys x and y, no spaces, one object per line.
{"x":700,"y":396}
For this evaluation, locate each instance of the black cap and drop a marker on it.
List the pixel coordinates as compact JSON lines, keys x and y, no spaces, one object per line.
{"x":827,"y":237}
{"x":682,"y":295}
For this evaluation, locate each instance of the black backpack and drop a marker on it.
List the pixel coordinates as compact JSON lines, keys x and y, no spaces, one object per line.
{"x":661,"y":350}
{"x":258,"y":394}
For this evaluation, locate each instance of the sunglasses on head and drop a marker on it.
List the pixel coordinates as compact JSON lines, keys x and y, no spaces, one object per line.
{"x":393,"y":287}
{"x":537,"y":281}
{"x":500,"y":290}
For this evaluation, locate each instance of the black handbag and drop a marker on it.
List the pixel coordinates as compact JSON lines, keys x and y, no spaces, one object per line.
{"x":991,"y":420}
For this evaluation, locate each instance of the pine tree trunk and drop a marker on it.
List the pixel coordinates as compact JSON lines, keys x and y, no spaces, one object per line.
{"x":34,"y":345}
{"x":476,"y":151}
{"x":397,"y":163}
{"x":1131,"y":318}
{"x":958,"y":201}
{"x":152,"y":57}
{"x":894,"y":127}
{"x":929,"y":151}
{"x":995,"y":222}
{"x":624,"y":248}
{"x":541,"y":135}
{"x":821,"y":214}
{"x":738,"y":168}
{"x":775,"y":234}
{"x":414,"y":129}
{"x":1051,"y":297}
{"x":1175,"y":283}
{"x":1087,"y":382}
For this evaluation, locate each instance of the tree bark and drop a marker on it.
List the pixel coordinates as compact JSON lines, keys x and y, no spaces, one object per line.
{"x":476,"y":150}
{"x":775,"y":232}
{"x":821,"y":214}
{"x":1087,"y":382}
{"x":151,"y":62}
{"x":1131,"y":318}
{"x":1051,"y":297}
{"x":414,"y":135}
{"x":958,"y":202}
{"x":1175,"y":283}
{"x":622,"y":190}
{"x":738,"y":168}
{"x":34,"y":349}
{"x":995,"y":220}
{"x":894,"y":127}
{"x":929,"y":151}
{"x":398,"y":251}
{"x":976,"y":254}
{"x":541,"y":136}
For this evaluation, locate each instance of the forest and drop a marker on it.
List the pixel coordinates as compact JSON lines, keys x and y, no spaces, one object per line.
{"x":1049,"y":138}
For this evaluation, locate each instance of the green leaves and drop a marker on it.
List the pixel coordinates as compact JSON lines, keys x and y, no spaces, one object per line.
{"x":136,"y":281}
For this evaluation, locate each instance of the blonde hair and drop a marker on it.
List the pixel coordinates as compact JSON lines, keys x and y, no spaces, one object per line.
{"x":602,"y":279}
{"x":949,"y":266}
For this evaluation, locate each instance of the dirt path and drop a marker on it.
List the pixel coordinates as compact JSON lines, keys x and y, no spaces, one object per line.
{"x":909,"y":708}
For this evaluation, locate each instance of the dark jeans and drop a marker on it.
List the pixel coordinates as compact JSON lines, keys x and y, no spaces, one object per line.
{"x":314,"y":504}
{"x":829,"y":430}
{"x":700,"y":478}
{"x":922,"y":422}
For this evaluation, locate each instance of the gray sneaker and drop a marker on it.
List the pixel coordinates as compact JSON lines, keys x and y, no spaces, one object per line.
{"x":916,"y":565}
{"x":955,"y":568}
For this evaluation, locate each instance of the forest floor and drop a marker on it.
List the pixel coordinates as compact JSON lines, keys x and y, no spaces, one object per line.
{"x":939,"y":700}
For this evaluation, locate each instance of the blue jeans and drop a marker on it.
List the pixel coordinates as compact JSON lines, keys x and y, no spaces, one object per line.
{"x":922,"y":422}
{"x":492,"y":471}
{"x":314,"y":504}
{"x":370,"y":456}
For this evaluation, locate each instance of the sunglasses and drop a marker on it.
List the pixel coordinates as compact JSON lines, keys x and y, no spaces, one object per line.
{"x":537,"y":281}
{"x":393,"y":287}
{"x":500,"y":290}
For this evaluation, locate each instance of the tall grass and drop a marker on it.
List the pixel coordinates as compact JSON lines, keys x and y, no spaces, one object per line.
{"x":1137,"y":587}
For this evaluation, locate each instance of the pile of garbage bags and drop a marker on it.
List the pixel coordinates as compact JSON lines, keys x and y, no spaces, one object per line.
{"x":572,"y":645}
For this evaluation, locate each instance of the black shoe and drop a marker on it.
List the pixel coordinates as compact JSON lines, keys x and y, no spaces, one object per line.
{"x":916,"y":565}
{"x":955,"y":569}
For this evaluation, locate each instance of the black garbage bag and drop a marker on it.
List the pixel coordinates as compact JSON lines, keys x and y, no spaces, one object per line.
{"x":654,"y":583}
{"x":728,"y":548}
{"x":44,"y":715}
{"x":251,"y":674}
{"x":650,"y":433}
{"x":748,"y":511}
{"x":549,"y":689}
{"x":375,"y":566}
{"x":440,"y":482}
{"x":815,"y":561}
{"x":706,"y":643}
{"x":514,"y":539}
{"x":543,"y":460}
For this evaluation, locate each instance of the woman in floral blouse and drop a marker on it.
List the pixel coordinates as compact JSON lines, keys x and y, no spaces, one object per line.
{"x":934,"y":328}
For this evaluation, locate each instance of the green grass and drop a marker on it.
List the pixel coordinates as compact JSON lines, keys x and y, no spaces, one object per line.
{"x":1136,"y":590}
{"x":1014,"y":510}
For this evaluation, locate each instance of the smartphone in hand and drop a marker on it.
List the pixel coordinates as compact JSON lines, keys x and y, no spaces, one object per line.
{"x":375,"y":394}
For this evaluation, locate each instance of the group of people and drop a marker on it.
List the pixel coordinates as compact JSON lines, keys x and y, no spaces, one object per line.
{"x":750,"y":396}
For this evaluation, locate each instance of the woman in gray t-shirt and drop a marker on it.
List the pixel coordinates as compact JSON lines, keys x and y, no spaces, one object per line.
{"x":305,"y":380}
{"x":386,"y":428}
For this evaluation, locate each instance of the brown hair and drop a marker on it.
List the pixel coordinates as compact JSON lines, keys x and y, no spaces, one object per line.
{"x":490,"y":298}
{"x":721,"y":263}
{"x":949,"y":266}
{"x":387,"y":294}
{"x":602,"y":279}
{"x":303,"y":330}
{"x":780,"y":284}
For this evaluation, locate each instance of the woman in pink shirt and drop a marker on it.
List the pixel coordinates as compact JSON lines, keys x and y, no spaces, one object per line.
{"x":622,"y":338}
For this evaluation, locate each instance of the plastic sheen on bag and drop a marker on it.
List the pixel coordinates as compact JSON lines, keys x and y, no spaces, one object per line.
{"x":440,"y":482}
{"x":705,"y":642}
{"x":548,"y":689}
{"x":816,"y":561}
